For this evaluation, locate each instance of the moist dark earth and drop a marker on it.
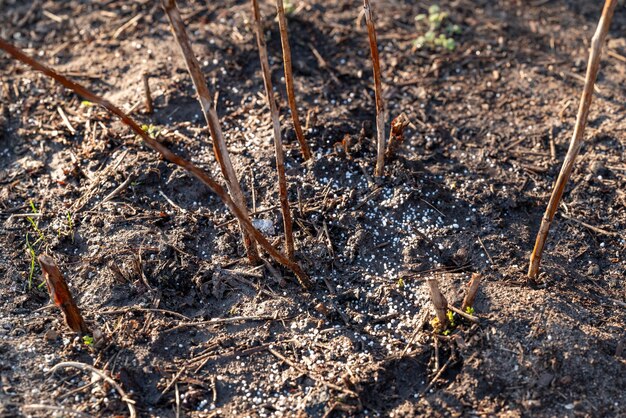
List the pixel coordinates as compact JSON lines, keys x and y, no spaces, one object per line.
{"x":188,"y":328}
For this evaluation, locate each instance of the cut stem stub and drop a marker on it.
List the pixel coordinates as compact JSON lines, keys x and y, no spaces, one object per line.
{"x":439,"y":303}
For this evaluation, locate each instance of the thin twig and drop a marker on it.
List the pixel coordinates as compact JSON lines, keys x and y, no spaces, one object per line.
{"x":212,"y":120}
{"x":291,"y":95}
{"x":87,"y":368}
{"x":310,"y":374}
{"x":378,"y":90}
{"x":222,"y":321}
{"x":168,"y":155}
{"x":465,"y":315}
{"x":278,"y":146}
{"x":593,"y":228}
{"x":58,"y":409}
{"x":437,"y":376}
{"x":593,"y":67}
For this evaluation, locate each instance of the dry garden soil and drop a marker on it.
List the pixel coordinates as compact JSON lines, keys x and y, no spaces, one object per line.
{"x":188,"y":328}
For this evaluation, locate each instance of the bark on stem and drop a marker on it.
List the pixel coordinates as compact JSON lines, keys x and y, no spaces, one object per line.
{"x":439,"y":303}
{"x":378,"y":90}
{"x":278,"y":145}
{"x":291,"y":95}
{"x":593,"y":66}
{"x":168,"y":155}
{"x":60,"y":294}
{"x":210,"y":114}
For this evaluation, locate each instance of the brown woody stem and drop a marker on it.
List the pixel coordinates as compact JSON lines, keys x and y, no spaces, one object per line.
{"x":593,"y":67}
{"x":378,"y":90}
{"x":291,"y":95}
{"x":212,"y":120}
{"x":195,"y":171}
{"x":439,"y":303}
{"x":278,"y":145}
{"x":60,"y":294}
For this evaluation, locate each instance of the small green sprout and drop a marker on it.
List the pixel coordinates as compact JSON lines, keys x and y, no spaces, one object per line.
{"x":88,"y":340}
{"x":446,"y":332}
{"x":70,"y":225}
{"x":437,"y":36}
{"x":400,"y":283}
{"x":151,"y":130}
{"x":289,"y":7}
{"x":450,"y":316}
{"x":469,"y":310}
{"x":86,"y":103}
{"x":33,"y":257}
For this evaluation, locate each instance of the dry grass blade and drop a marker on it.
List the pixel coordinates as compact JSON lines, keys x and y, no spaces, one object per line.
{"x":60,"y":294}
{"x":291,"y":95}
{"x":168,"y":155}
{"x":278,"y":146}
{"x":593,"y":67}
{"x":212,"y":120}
{"x":378,"y":90}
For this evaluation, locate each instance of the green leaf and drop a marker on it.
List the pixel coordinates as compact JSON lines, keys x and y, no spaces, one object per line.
{"x":450,"y":44}
{"x":434,"y":9}
{"x":420,"y":17}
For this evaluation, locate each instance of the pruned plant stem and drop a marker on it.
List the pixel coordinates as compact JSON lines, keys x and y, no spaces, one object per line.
{"x":439,"y":303}
{"x":146,"y":89}
{"x":278,"y":145}
{"x":212,"y":120}
{"x":60,"y":294}
{"x":472,"y":289}
{"x":168,"y":155}
{"x":291,"y":95}
{"x":593,"y":66}
{"x":378,"y":90}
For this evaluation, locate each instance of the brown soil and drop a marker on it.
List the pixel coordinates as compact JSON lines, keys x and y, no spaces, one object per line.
{"x":465,"y":194}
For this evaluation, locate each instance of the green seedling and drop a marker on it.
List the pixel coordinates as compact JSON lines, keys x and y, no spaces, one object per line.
{"x":86,"y":103}
{"x":438,"y":35}
{"x":70,"y":225}
{"x":88,"y":340}
{"x":469,"y":310}
{"x":289,"y":6}
{"x":151,"y":130}
{"x":401,"y":283}
{"x":450,"y":316}
{"x":30,"y":246}
{"x":33,"y":258}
